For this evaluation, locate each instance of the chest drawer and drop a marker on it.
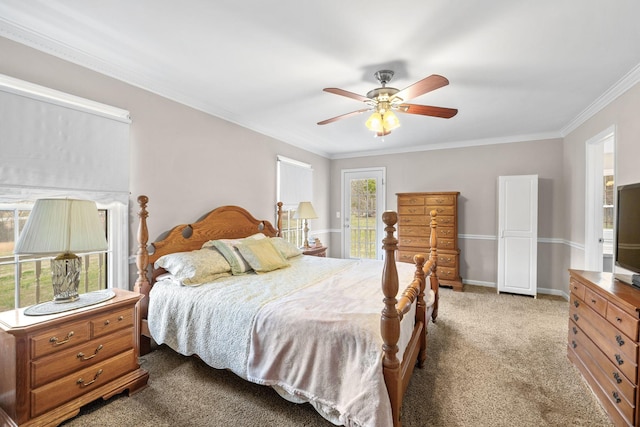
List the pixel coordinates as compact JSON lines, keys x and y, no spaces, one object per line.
{"x":596,"y":302}
{"x":408,"y":230}
{"x":80,"y":382}
{"x":446,"y":260}
{"x":412,"y":210}
{"x":576,"y":288}
{"x":414,"y":220}
{"x":440,"y":200}
{"x":623,"y":321}
{"x":55,"y":366}
{"x":442,"y":210}
{"x":446,"y":243}
{"x":60,"y":338}
{"x":410,"y":201}
{"x":407,"y":256}
{"x":446,"y":273}
{"x":419,"y":242}
{"x":111,"y":322}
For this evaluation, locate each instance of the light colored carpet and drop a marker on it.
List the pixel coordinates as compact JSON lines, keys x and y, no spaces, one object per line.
{"x":493,"y":360}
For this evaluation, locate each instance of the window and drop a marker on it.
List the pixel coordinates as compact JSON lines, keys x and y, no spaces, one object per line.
{"x":59,"y":145}
{"x":295,"y":181}
{"x":26,"y":280}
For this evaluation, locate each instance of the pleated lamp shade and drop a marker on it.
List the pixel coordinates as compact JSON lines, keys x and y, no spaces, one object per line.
{"x":58,"y":226}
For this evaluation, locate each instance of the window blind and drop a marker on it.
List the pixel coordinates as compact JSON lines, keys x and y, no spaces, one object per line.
{"x":295,"y":182}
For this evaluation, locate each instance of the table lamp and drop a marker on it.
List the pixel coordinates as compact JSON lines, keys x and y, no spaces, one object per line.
{"x":62,"y":227}
{"x":306,"y":212}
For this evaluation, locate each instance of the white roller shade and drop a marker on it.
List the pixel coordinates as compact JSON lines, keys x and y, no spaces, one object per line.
{"x":61,"y":144}
{"x":295,"y":182}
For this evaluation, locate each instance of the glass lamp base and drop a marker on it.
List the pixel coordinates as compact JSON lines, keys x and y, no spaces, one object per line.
{"x":65,"y":277}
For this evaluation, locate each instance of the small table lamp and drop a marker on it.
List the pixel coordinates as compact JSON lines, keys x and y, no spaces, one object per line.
{"x":305,"y":211}
{"x":63,"y":226}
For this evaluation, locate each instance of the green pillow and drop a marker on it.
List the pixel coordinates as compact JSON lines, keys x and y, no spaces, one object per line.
{"x":261,"y":255}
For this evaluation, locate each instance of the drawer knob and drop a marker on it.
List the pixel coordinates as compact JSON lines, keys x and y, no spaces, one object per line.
{"x":81,"y":355}
{"x":616,"y":396}
{"x":619,"y":320}
{"x":120,"y":318}
{"x":576,"y":303}
{"x":619,"y":340}
{"x":573,"y":344}
{"x":593,"y":301}
{"x":619,"y":359}
{"x":575,"y":330}
{"x":576,"y":317}
{"x":55,"y":341}
{"x":83,"y":384}
{"x":106,"y":322}
{"x":617,"y":377}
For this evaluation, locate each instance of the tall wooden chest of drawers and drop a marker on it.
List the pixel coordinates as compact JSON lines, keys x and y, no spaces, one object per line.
{"x":53,"y":364}
{"x":604,"y":317}
{"x":413,"y":231}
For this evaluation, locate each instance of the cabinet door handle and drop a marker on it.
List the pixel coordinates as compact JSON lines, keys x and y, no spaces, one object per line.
{"x":83,"y":384}
{"x":81,"y":355}
{"x":54,"y":340}
{"x":619,"y":340}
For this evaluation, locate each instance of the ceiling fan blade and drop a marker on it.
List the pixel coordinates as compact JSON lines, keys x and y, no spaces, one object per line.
{"x":423,"y":86}
{"x":346,"y":93}
{"x":428,"y":110}
{"x":343,"y":116}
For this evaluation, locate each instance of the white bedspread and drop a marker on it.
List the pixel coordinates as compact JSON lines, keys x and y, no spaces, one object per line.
{"x":311,"y":330}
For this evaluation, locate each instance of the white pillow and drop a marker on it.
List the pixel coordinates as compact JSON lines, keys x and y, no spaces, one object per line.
{"x":195,"y":267}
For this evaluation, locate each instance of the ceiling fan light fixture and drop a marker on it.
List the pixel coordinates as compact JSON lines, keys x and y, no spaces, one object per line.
{"x":390,"y":121}
{"x":374,"y":122}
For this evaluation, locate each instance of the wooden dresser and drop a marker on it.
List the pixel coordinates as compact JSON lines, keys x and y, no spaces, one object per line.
{"x":603,"y":341}
{"x":413,"y":231}
{"x":52,"y":365}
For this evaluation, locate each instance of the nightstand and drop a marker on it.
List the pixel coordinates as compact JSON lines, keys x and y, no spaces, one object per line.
{"x":54,"y":364}
{"x":319,"y":251}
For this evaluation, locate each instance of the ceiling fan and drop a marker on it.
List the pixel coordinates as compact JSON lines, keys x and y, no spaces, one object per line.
{"x":383,"y":101}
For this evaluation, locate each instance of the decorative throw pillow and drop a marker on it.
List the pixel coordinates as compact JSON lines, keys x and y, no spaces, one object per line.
{"x":195,"y":267}
{"x":209,"y":243}
{"x":261,"y":255}
{"x":287,"y":249}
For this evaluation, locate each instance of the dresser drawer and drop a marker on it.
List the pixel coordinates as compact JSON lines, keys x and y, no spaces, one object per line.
{"x":58,"y":392}
{"x":446,"y":273}
{"x":412,"y":210}
{"x":60,"y":338}
{"x":608,"y":372}
{"x":440,"y":200}
{"x":55,"y":366}
{"x":596,"y":302}
{"x":410,"y":200}
{"x":446,"y":260}
{"x":447,"y":232}
{"x":445,"y":220}
{"x":618,"y":348}
{"x":112,"y":322}
{"x":408,"y":230}
{"x":417,"y":242}
{"x":442,"y":210}
{"x":446,"y":243}
{"x":576,"y":288}
{"x":407,"y":256}
{"x":414,"y":220}
{"x":623,"y":321}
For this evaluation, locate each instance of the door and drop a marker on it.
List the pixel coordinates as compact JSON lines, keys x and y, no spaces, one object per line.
{"x":599,"y":197}
{"x":363,"y":204}
{"x":518,"y":234}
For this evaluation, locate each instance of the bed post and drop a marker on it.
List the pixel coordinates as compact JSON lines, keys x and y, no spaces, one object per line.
{"x":390,"y":320}
{"x":433,"y":278}
{"x":142,"y":285}
{"x":279,"y":219}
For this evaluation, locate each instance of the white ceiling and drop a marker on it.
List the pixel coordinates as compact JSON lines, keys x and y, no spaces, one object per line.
{"x":518,"y":69}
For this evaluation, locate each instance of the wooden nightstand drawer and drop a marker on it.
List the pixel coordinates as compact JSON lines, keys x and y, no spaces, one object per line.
{"x":78,"y":383}
{"x":60,"y":338}
{"x":111,"y":322}
{"x":58,"y":365}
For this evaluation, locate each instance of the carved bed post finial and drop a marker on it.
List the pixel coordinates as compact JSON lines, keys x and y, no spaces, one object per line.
{"x":279,"y":219}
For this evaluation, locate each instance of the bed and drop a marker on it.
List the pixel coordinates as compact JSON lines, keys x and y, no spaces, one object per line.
{"x":301,"y":326}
